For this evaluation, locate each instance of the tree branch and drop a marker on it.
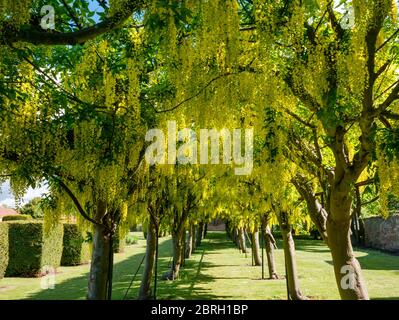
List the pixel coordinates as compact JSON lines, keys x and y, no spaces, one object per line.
{"x":75,"y":201}
{"x":35,"y":35}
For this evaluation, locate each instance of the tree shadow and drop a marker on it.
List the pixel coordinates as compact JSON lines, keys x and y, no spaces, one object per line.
{"x":184,"y":287}
{"x":308,"y":245}
{"x":375,"y":260}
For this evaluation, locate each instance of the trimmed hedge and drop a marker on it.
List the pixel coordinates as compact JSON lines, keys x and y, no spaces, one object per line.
{"x":75,"y":251}
{"x":30,"y":248}
{"x":16,"y":217}
{"x":3,"y":248}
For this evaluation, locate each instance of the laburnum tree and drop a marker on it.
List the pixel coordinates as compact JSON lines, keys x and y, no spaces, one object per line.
{"x":337,"y":82}
{"x":76,"y":110}
{"x":88,"y":146}
{"x":281,"y":201}
{"x":320,"y":86}
{"x":77,"y":124}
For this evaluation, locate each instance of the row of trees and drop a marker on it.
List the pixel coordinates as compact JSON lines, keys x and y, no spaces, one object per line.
{"x":77,"y":101}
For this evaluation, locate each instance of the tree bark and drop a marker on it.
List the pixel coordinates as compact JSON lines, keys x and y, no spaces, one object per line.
{"x":270,"y":245}
{"x":199,"y":234}
{"x":178,"y":245}
{"x":145,"y":287}
{"x":235,"y":238}
{"x":193,"y":239}
{"x":100,"y":261}
{"x":32,"y":34}
{"x":98,"y":277}
{"x":290,"y":259}
{"x":348,"y":273}
{"x":256,"y":248}
{"x":241,"y":239}
{"x":189,"y":245}
{"x":317,"y":212}
{"x":183,"y":248}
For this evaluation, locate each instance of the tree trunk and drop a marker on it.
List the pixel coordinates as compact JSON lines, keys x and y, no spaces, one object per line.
{"x":228,"y":230}
{"x":255,"y":248}
{"x":348,"y":273}
{"x":183,"y":248}
{"x":145,"y":287}
{"x":189,"y":245}
{"x":270,"y":245}
{"x":289,"y":257}
{"x":199,"y":234}
{"x":316,"y":210}
{"x":98,"y":277}
{"x":178,"y":244}
{"x":193,"y":239}
{"x":235,"y":238}
{"x":241,"y":239}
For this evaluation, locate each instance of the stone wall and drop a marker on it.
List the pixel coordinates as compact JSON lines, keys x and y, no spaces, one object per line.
{"x":382,"y":234}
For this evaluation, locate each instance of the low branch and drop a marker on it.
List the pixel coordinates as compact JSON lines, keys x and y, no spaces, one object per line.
{"x":76,"y":202}
{"x":364,"y":183}
{"x":35,"y":35}
{"x":370,"y":201}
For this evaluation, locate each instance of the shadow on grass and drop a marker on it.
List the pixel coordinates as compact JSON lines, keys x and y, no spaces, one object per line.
{"x":371,"y":260}
{"x":307,"y":245}
{"x":184,"y":287}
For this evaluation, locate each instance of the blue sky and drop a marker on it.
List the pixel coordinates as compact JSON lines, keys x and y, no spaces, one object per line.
{"x":6,"y":197}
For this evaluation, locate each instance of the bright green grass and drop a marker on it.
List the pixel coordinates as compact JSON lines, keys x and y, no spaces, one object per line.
{"x":219,"y":271}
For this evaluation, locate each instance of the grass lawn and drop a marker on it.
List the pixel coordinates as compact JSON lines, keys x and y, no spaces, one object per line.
{"x":218,"y":271}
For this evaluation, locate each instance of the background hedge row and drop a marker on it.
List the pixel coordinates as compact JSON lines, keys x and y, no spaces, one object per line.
{"x":75,"y":250}
{"x":30,"y":248}
{"x":25,"y":248}
{"x":3,"y":249}
{"x":119,"y":241}
{"x":17,"y":217}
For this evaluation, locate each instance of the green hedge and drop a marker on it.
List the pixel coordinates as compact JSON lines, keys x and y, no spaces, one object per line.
{"x":30,"y":248}
{"x":16,"y":217}
{"x":3,"y":248}
{"x":75,"y":251}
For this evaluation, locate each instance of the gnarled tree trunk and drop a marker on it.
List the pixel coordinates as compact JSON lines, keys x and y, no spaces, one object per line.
{"x":241,"y":239}
{"x":270,"y":245}
{"x":102,"y":251}
{"x":193,"y":239}
{"x":235,"y":237}
{"x":145,"y":287}
{"x":289,"y":256}
{"x":189,"y":244}
{"x":183,"y":248}
{"x":316,"y":210}
{"x":178,"y":240}
{"x":256,"y":248}
{"x":199,"y":234}
{"x":348,"y":273}
{"x":98,"y":277}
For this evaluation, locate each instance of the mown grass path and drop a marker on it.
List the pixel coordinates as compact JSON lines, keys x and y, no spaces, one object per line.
{"x":218,"y":271}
